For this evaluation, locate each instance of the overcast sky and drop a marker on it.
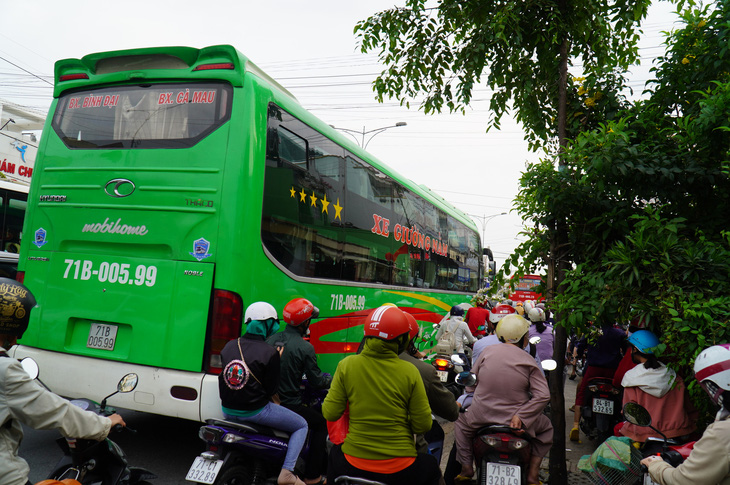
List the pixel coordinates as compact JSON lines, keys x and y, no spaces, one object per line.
{"x":310,"y":48}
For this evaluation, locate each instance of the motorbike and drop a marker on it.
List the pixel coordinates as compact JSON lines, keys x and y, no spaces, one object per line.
{"x":247,"y":453}
{"x":90,"y":461}
{"x":447,"y":369}
{"x":601,"y":410}
{"x":673,"y":451}
{"x":347,"y":480}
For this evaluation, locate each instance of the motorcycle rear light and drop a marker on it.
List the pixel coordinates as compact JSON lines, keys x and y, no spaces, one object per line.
{"x":226,"y":320}
{"x":518,"y":444}
{"x":233,"y":438}
{"x":593,"y":388}
{"x":208,"y":433}
{"x":442,"y":364}
{"x":491,"y":440}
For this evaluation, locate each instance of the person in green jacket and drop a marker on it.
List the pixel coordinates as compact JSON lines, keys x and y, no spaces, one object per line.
{"x":387,"y":405}
{"x":299,"y":359}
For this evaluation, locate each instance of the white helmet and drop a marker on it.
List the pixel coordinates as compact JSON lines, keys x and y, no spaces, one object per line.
{"x":712,"y":370}
{"x":528,"y":305}
{"x":536,"y":315}
{"x":260,"y":311}
{"x":512,"y":328}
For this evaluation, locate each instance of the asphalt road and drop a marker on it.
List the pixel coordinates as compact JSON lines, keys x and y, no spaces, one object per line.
{"x":165,"y":446}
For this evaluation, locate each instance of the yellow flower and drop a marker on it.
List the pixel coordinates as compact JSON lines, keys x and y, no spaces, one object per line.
{"x":685,"y":61}
{"x":590,"y":102}
{"x":702,"y":24}
{"x":598,"y":95}
{"x":582,"y":91}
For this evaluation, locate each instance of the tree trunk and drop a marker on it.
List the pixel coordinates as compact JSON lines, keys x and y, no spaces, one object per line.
{"x":557,"y":267}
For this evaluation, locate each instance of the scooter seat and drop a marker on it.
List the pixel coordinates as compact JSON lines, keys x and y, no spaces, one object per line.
{"x":249,"y":428}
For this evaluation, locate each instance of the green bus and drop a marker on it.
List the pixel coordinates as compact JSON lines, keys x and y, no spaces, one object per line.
{"x":175,"y":186}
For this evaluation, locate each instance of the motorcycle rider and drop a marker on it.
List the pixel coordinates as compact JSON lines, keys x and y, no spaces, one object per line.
{"x":602,"y":359}
{"x":511,"y":389}
{"x":299,"y":359}
{"x":23,"y":400}
{"x":440,"y":399}
{"x":387,"y":406}
{"x":658,"y":389}
{"x":540,"y":329}
{"x":709,"y":460}
{"x":456,"y":325}
{"x":476,"y":316}
{"x":250,"y":380}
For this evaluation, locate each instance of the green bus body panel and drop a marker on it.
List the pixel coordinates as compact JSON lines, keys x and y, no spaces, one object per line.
{"x":165,"y":317}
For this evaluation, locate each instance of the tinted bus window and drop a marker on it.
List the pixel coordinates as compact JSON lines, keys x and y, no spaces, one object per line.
{"x":13,"y":213}
{"x":144,"y":116}
{"x":331,"y":215}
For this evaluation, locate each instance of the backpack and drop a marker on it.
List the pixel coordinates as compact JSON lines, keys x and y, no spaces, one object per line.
{"x":447,"y":343}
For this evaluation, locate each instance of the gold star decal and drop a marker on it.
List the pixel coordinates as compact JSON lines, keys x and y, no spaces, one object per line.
{"x":292,"y":192}
{"x":313,"y":198}
{"x":325,"y":203}
{"x":338,"y":209}
{"x":303,"y":196}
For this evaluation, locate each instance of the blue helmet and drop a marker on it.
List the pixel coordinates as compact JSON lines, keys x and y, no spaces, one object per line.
{"x":644,"y":340}
{"x":457,"y":311}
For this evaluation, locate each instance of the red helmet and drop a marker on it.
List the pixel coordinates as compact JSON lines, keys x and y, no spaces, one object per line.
{"x":496,"y":314}
{"x":298,"y":311}
{"x":412,"y":325}
{"x":387,"y":323}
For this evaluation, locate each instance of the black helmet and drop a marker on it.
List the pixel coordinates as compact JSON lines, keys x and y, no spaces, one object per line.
{"x":457,"y":311}
{"x":15,"y":303}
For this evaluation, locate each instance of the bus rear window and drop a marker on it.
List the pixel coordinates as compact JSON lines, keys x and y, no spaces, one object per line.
{"x":142,"y":116}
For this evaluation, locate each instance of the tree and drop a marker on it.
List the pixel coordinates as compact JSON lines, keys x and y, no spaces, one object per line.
{"x":523,"y":49}
{"x":647,"y":200}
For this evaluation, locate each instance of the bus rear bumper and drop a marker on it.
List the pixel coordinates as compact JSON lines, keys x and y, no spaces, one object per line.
{"x":73,"y":376}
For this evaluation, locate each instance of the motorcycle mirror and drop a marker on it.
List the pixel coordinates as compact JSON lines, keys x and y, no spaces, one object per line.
{"x":535,"y":340}
{"x":637,"y":414}
{"x":457,"y":360}
{"x":30,"y":367}
{"x":466,"y":379}
{"x":128,"y":383}
{"x":549,"y":364}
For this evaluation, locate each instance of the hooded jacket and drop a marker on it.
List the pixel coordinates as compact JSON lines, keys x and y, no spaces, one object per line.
{"x":387,"y":399}
{"x":662,"y":392}
{"x":23,"y":400}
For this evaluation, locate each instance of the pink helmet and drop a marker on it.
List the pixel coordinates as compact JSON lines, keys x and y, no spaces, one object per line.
{"x":712,"y":370}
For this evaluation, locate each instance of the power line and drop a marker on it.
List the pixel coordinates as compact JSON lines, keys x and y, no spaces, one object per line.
{"x":25,"y":70}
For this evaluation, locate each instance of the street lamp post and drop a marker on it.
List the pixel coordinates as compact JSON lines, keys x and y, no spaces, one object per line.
{"x":362,"y":141}
{"x":486,"y":219}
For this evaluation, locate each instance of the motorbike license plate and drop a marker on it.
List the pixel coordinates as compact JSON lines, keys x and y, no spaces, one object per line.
{"x":602,"y":406}
{"x":203,"y":470}
{"x":502,"y":474}
{"x":443,"y":375}
{"x":102,"y":336}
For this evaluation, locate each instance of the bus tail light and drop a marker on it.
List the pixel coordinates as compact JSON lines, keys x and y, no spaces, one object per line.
{"x":225,"y":326}
{"x":73,"y":77}
{"x":210,"y":67}
{"x":20,"y":276}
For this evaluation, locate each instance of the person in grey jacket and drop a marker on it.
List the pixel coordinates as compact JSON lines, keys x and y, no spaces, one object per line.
{"x":709,"y":460}
{"x":24,"y":400}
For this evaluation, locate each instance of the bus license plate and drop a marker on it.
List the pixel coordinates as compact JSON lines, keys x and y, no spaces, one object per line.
{"x":602,"y":406}
{"x":102,"y":336}
{"x":500,"y":473}
{"x":443,"y":375}
{"x":204,"y":471}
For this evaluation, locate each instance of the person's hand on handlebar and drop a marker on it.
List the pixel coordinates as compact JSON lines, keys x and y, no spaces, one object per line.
{"x":117,"y":420}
